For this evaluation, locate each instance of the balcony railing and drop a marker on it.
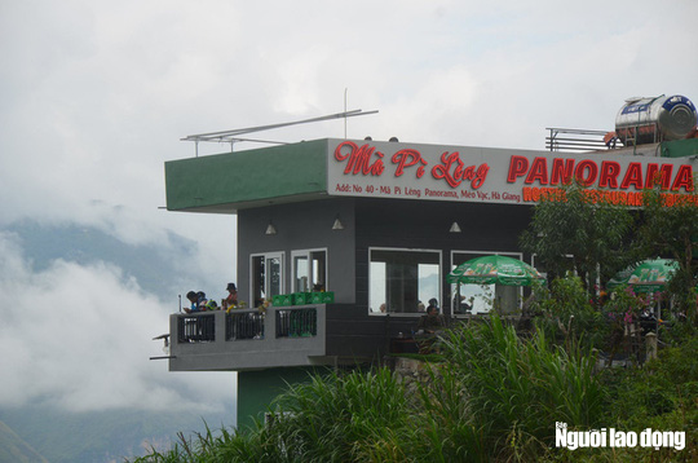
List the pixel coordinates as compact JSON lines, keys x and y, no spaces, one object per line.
{"x":246,"y":325}
{"x":248,"y":339}
{"x":293,"y":323}
{"x":290,"y":322}
{"x":197,"y":328}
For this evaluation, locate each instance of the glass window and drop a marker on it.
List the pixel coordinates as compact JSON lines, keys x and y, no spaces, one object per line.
{"x":480,"y":298}
{"x":267,"y":277}
{"x":401,"y":279}
{"x":310,"y":270}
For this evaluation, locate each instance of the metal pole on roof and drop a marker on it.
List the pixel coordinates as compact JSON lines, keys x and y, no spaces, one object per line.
{"x":346,"y":90}
{"x":232,"y":136}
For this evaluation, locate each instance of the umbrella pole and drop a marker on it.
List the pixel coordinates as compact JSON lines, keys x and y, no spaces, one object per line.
{"x":456,"y":308}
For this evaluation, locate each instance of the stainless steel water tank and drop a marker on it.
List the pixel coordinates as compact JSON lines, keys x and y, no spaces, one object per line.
{"x":651,"y":120}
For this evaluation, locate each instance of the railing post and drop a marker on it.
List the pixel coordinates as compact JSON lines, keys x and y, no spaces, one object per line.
{"x":219,"y":323}
{"x":650,"y":346}
{"x":270,"y":323}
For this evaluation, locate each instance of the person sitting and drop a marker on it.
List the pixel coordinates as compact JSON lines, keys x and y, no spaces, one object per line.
{"x":460,"y":305}
{"x":231,"y":301}
{"x":198,"y":302}
{"x":432,"y":321}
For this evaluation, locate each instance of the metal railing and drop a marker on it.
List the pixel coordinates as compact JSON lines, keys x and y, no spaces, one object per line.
{"x":294,"y":323}
{"x":196,"y":328}
{"x":285,"y":322}
{"x":247,"y":325}
{"x":575,"y":140}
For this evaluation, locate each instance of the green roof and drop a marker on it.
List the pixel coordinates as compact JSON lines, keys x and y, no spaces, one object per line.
{"x":227,"y":182}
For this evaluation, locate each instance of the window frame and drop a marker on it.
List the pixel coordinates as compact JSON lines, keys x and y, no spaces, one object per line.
{"x":308,"y":252}
{"x":439,"y":285}
{"x":282,"y":277}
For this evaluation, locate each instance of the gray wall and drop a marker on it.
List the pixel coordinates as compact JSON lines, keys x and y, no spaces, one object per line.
{"x":299,"y":226}
{"x":374,"y":223}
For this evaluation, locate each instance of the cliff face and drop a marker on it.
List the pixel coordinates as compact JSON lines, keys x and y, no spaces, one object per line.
{"x":13,"y":448}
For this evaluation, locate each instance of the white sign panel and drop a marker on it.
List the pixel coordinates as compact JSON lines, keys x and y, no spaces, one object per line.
{"x":456,"y":173}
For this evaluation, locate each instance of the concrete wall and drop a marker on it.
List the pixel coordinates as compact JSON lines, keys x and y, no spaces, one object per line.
{"x":301,"y":226}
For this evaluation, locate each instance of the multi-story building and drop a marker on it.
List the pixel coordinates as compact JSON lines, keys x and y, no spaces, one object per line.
{"x":377,"y":226}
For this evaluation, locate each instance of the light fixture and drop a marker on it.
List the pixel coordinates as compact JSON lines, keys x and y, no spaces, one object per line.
{"x":337,"y":225}
{"x":455,"y":228}
{"x":271,"y":229}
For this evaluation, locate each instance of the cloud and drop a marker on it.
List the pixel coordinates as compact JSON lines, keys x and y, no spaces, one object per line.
{"x":79,"y":337}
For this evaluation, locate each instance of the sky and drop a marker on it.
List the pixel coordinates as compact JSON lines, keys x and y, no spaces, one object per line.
{"x":96,"y":95}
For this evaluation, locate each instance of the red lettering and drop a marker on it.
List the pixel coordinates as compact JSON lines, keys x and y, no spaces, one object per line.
{"x":633,"y":176}
{"x":592,"y":171}
{"x":359,"y":159}
{"x":656,"y":176}
{"x":453,"y":171}
{"x":609,"y":174}
{"x":517,"y":168}
{"x":562,"y":173}
{"x":538,"y":171}
{"x":480,"y":176}
{"x":408,"y":158}
{"x":443,"y":170}
{"x":684,"y":179}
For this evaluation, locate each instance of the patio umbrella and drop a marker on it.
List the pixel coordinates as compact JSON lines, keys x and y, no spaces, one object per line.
{"x":648,"y":276}
{"x":488,"y":270}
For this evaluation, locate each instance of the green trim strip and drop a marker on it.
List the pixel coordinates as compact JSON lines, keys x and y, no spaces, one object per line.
{"x":226,"y":181}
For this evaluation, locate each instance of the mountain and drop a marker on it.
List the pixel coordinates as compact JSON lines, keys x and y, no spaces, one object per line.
{"x":95,"y":437}
{"x":157,"y":268}
{"x":14,"y":449}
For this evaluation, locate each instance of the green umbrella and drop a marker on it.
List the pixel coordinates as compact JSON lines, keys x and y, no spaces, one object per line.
{"x":648,"y":276}
{"x":488,"y":270}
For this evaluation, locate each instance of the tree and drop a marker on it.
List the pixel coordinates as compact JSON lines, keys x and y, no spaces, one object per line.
{"x":670,"y":229}
{"x":579,"y":231}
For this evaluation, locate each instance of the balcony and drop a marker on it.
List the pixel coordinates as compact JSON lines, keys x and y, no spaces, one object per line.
{"x":248,"y":339}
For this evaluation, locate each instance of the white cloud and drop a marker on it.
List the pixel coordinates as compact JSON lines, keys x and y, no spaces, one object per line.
{"x":79,"y":337}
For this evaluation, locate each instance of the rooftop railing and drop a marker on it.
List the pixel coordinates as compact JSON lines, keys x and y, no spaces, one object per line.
{"x":560,"y":139}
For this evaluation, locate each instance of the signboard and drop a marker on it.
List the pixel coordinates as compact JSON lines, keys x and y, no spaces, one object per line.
{"x":504,"y":176}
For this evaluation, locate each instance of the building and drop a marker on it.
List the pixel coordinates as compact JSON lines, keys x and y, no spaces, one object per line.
{"x":377,"y":225}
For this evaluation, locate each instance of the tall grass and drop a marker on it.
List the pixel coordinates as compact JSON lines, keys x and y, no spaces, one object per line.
{"x":517,"y":389}
{"x":495,"y":397}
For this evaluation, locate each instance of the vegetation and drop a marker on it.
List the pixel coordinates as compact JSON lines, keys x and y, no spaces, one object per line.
{"x":672,"y":231}
{"x":580,"y":234}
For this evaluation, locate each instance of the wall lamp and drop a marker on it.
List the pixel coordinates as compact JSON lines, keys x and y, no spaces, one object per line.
{"x":455,"y":228}
{"x":337,"y":225}
{"x":271,"y":229}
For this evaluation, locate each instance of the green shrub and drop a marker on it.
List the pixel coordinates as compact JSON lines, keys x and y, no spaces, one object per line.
{"x":517,"y":389}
